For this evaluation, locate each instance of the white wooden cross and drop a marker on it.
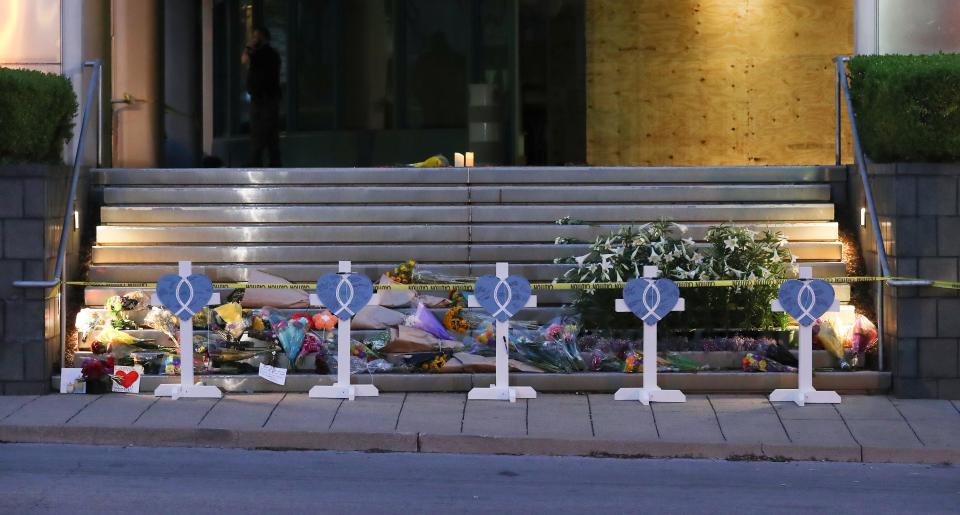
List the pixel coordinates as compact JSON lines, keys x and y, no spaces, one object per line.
{"x":650,"y":391}
{"x":805,"y":393}
{"x":502,"y":391}
{"x":342,"y":389}
{"x":187,"y":388}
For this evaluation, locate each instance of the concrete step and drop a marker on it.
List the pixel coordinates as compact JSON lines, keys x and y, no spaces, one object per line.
{"x":543,"y":233}
{"x":309,"y":272}
{"x":598,"y":213}
{"x":569,"y":194}
{"x":381,"y":253}
{"x":95,"y":296}
{"x":860,"y":382}
{"x":479,"y":175}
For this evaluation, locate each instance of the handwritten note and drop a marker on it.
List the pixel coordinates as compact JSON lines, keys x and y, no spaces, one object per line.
{"x":273,"y":374}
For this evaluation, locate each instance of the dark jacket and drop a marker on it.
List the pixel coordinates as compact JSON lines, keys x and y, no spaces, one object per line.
{"x":263,"y":77}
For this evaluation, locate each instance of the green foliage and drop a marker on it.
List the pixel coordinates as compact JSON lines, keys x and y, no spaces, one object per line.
{"x":36,"y":116}
{"x":731,"y":253}
{"x":907,"y":106}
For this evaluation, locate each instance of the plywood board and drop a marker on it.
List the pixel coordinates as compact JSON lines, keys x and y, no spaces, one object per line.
{"x":720,"y":82}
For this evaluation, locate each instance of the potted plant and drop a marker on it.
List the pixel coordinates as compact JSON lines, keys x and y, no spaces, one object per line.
{"x":97,"y":374}
{"x":731,"y":252}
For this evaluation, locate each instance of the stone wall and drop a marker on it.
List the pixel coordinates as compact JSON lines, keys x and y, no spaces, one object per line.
{"x":31,"y":214}
{"x":920,"y":222}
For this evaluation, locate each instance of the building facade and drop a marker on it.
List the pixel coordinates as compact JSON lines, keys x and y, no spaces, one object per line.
{"x":382,"y":82}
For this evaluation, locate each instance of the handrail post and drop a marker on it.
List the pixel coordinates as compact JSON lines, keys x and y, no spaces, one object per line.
{"x":838,"y":121}
{"x":63,"y":315}
{"x":880,"y":326}
{"x":99,"y":68}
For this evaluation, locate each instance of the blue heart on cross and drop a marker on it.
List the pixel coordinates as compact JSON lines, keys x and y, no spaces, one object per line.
{"x":651,"y":300}
{"x":344,"y":294}
{"x":806,"y":299}
{"x":184,"y":296}
{"x":502,"y":298}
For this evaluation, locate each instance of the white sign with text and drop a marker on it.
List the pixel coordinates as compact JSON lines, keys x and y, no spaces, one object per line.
{"x":275,"y":375}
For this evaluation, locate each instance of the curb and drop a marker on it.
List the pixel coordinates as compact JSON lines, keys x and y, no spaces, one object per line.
{"x":465,"y":444}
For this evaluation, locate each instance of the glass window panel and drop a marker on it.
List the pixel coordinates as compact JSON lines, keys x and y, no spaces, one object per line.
{"x":316,"y":64}
{"x":436,"y":63}
{"x":275,"y":19}
{"x":366,"y":55}
{"x":30,"y":31}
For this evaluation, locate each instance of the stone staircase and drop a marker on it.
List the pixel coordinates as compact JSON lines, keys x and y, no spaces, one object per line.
{"x":297,"y":223}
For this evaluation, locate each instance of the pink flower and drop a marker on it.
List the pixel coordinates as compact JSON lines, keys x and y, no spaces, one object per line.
{"x":310,"y":345}
{"x":555,"y":332}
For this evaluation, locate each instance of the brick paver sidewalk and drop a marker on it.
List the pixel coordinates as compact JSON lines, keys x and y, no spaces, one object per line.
{"x":862,"y":428}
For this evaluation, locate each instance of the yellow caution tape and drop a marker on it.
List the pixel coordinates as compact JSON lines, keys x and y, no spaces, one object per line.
{"x":722,"y":283}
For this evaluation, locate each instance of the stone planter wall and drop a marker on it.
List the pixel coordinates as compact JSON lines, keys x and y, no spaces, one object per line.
{"x":31,"y":213}
{"x":920,"y":221}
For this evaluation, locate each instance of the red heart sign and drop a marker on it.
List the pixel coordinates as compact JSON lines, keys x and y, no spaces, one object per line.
{"x":127,"y":378}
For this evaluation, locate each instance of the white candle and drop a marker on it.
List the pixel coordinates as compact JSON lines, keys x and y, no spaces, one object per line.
{"x":458,"y":160}
{"x":469,"y":159}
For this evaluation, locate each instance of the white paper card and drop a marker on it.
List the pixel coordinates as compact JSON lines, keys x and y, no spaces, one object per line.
{"x":126,"y":379}
{"x":273,"y":374}
{"x":71,"y":381}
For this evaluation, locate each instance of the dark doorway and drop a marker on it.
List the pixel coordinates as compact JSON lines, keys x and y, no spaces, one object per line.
{"x":387,"y":82}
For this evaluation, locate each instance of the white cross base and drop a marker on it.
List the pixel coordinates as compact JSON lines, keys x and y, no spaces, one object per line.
{"x":502,"y":391}
{"x":805,"y":393}
{"x":650,"y":391}
{"x":187,"y":388}
{"x":342,"y":389}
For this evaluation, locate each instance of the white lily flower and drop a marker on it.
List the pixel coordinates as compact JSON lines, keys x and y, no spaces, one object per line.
{"x":730,"y":243}
{"x":605,"y":263}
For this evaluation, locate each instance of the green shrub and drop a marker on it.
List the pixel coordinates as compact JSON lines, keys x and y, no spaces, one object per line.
{"x":907,"y":106}
{"x":36,"y":116}
{"x":731,"y":252}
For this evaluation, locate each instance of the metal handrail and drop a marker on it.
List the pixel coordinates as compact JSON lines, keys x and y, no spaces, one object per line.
{"x":843,"y":89}
{"x":97,"y":66}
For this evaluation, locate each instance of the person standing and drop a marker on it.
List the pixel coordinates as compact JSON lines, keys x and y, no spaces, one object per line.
{"x":263,"y":85}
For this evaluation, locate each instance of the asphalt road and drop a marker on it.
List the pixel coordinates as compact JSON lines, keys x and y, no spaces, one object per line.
{"x":84,"y":479}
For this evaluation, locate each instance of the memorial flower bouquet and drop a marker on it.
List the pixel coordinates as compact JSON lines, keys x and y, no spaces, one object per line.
{"x":755,"y":362}
{"x":403,"y":273}
{"x":621,"y":256}
{"x":97,"y":372}
{"x":730,"y":252}
{"x":736,"y":252}
{"x":117,"y":307}
{"x":552,"y":348}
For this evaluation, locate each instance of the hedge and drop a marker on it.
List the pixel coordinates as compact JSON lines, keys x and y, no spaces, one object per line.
{"x":36,"y":116}
{"x":907,"y":106}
